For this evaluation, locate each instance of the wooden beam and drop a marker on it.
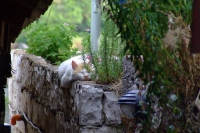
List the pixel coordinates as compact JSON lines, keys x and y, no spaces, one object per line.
{"x":2,"y":37}
{"x":11,"y":17}
{"x":5,"y":129}
{"x":15,"y":31}
{"x":20,"y":13}
{"x":15,"y":7}
{"x":28,"y":3}
{"x":5,"y":32}
{"x":5,"y":45}
{"x":27,"y":22}
{"x":13,"y":12}
{"x":195,"y":28}
{"x":3,"y":68}
{"x":2,"y":106}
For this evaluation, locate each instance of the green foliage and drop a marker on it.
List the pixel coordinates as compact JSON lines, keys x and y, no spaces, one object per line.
{"x":110,"y":53}
{"x":69,"y":11}
{"x":72,"y":12}
{"x":108,"y":60}
{"x":21,"y":37}
{"x":142,"y":25}
{"x":52,"y":42}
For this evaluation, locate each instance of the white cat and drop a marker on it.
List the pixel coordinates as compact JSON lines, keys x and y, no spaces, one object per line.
{"x":73,"y":70}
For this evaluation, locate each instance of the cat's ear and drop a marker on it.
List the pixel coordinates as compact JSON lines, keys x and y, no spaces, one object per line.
{"x":74,"y":65}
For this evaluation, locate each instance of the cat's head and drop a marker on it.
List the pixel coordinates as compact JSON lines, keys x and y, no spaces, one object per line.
{"x":79,"y":72}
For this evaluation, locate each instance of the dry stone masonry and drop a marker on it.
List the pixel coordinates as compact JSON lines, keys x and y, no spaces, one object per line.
{"x":35,"y":91}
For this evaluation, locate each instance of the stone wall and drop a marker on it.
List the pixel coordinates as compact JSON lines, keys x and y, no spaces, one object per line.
{"x":34,"y":90}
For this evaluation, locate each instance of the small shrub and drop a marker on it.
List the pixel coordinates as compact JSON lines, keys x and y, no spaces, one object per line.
{"x":108,"y":60}
{"x":52,"y":42}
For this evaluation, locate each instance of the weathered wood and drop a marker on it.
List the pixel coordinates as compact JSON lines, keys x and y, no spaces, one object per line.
{"x":5,"y":129}
{"x":5,"y":31}
{"x":27,"y":22}
{"x":2,"y":105}
{"x":195,"y":41}
{"x":2,"y":36}
{"x":5,"y":69}
{"x":15,"y":13}
{"x":28,"y":3}
{"x":5,"y":51}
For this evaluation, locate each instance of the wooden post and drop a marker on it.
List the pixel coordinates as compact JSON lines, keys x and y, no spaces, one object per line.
{"x":5,"y":50}
{"x":195,"y":40}
{"x":5,"y":68}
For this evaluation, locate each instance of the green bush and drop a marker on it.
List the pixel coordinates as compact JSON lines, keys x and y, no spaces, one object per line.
{"x":107,"y":60}
{"x":52,"y":42}
{"x":159,"y":30}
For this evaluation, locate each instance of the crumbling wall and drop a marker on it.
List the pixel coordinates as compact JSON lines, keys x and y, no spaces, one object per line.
{"x":35,"y":92}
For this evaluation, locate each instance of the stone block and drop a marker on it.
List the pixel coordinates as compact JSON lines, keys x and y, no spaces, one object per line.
{"x":103,"y":129}
{"x":111,"y":109}
{"x":90,"y":102}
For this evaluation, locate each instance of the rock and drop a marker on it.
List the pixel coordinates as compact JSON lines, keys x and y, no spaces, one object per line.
{"x":111,"y":109}
{"x":129,"y":74}
{"x":90,"y":112}
{"x":104,"y":129}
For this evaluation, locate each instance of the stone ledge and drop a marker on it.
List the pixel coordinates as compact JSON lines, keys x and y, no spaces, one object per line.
{"x":92,"y":102}
{"x":35,"y":89}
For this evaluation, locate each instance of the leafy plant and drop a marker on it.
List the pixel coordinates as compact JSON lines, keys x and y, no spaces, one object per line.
{"x":77,"y":12}
{"x":107,"y":60}
{"x":52,"y":42}
{"x":159,"y":31}
{"x":60,"y":10}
